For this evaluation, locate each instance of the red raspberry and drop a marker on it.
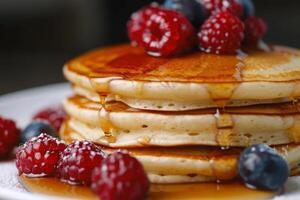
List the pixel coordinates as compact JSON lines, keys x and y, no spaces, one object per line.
{"x":215,"y":6}
{"x":136,"y":24}
{"x":120,"y":177}
{"x":168,"y":33}
{"x":54,"y":116}
{"x":221,"y":34}
{"x":255,"y":29}
{"x":77,"y":162}
{"x":39,"y":156}
{"x":9,"y":137}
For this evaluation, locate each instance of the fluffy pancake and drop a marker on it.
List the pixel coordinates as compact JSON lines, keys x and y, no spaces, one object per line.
{"x":117,"y":125}
{"x":197,"y":80}
{"x":190,"y":164}
{"x":166,"y":105}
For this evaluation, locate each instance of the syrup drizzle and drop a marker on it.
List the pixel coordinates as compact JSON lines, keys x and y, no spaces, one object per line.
{"x":224,"y":121}
{"x":107,"y":127}
{"x":224,"y":124}
{"x":221,"y":94}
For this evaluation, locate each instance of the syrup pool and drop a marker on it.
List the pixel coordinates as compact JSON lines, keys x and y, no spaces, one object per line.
{"x":207,"y":191}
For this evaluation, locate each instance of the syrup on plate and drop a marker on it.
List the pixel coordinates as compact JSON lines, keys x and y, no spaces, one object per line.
{"x":207,"y":191}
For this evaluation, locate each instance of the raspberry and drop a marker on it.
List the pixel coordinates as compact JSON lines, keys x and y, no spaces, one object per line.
{"x":214,"y":6}
{"x":255,"y":29}
{"x":221,"y":34}
{"x":120,"y":177}
{"x":77,"y":162}
{"x":9,"y":137}
{"x":168,"y":33}
{"x":39,"y":156}
{"x":136,"y":24}
{"x":54,"y":116}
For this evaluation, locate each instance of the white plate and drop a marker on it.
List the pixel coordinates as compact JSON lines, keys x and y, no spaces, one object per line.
{"x":22,"y":105}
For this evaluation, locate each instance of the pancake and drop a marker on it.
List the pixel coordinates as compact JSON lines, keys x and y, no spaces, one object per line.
{"x":117,"y":125}
{"x":162,"y":105}
{"x":190,"y":164}
{"x":193,"y":81}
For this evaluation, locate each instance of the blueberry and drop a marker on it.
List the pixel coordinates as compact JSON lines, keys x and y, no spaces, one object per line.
{"x":35,"y":128}
{"x":192,"y":9}
{"x":261,"y":167}
{"x":248,"y":7}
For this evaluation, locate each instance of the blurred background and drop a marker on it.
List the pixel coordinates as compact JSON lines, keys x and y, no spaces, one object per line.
{"x":38,"y":36}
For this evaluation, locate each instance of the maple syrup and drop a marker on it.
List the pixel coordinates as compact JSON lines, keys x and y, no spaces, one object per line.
{"x":200,"y":191}
{"x":105,"y":123}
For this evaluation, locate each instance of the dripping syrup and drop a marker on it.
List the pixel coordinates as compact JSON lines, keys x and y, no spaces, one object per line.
{"x":106,"y":125}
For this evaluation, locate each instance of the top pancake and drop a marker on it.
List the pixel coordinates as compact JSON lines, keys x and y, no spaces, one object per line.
{"x":128,"y":73}
{"x":131,"y":63}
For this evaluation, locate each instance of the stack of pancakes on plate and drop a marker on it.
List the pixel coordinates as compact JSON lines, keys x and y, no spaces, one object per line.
{"x":186,"y":118}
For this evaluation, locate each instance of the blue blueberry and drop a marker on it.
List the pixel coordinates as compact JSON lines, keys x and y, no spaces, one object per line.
{"x":192,"y":9}
{"x":35,"y":128}
{"x":248,"y":6}
{"x":261,"y":167}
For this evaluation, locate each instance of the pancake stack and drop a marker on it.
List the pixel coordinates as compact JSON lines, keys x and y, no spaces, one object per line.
{"x":186,"y":118}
